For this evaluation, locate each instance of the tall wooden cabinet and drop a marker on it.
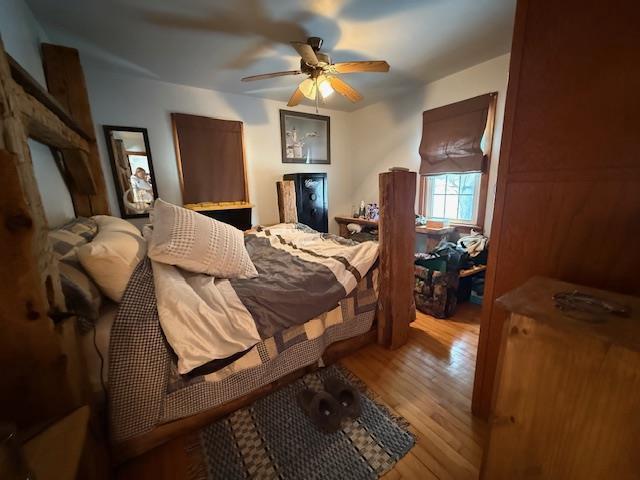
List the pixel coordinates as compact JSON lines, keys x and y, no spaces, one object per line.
{"x":568,"y":191}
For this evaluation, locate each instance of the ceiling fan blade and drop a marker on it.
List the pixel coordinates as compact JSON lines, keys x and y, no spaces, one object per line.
{"x":343,"y":88}
{"x":364,"y":66}
{"x":306,"y":52}
{"x":270,"y":75}
{"x":296,"y":98}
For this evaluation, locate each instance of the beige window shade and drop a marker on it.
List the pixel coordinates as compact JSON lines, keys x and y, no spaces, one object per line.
{"x":210,"y":158}
{"x":451,"y":137}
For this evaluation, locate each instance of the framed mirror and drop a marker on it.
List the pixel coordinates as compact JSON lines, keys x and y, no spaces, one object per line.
{"x":132,"y":169}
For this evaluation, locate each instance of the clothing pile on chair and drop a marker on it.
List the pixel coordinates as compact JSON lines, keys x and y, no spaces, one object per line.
{"x":476,"y":245}
{"x":438,"y":273}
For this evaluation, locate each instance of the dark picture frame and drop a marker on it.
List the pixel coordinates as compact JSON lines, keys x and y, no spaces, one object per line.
{"x":305,"y":138}
{"x":125,"y":211}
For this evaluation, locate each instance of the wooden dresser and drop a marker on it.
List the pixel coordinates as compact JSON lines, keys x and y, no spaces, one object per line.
{"x":567,"y":398}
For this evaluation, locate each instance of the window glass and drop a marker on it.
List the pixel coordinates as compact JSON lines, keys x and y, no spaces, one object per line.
{"x":453,"y":197}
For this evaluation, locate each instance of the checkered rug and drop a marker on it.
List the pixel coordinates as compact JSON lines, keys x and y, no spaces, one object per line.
{"x":274,"y":439}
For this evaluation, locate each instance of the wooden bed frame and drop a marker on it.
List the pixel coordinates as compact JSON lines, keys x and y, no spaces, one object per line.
{"x":44,"y":372}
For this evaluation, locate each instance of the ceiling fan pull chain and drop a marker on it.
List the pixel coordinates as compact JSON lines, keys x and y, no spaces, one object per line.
{"x":316,"y":79}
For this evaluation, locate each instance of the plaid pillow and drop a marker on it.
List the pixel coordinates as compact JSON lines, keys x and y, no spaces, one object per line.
{"x":80,"y":293}
{"x":73,"y":234}
{"x":87,"y":228}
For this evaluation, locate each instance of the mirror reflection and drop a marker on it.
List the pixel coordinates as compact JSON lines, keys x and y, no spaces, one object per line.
{"x":132,"y":169}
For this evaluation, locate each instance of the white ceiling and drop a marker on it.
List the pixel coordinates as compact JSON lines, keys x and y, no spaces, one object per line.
{"x":213,"y":43}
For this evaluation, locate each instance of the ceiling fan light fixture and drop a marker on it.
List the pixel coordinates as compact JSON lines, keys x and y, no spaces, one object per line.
{"x":308,"y":88}
{"x":324,"y":86}
{"x":323,"y":75}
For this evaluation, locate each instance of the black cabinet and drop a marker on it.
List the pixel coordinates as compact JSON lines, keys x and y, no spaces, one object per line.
{"x":311,"y":199}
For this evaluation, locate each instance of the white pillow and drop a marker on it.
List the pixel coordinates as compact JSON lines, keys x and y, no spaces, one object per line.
{"x":110,"y":260}
{"x":197,"y":243}
{"x":114,"y":224}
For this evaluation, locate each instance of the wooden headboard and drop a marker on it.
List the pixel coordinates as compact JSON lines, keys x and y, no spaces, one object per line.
{"x":41,"y":377}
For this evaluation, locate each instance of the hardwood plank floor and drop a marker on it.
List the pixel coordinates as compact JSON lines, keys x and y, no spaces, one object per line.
{"x":429,"y":381}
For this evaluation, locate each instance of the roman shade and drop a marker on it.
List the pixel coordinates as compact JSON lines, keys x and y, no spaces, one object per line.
{"x":210,"y":158}
{"x":451,"y":136}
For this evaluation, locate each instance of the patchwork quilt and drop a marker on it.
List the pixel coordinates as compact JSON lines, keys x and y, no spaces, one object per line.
{"x":313,"y":289}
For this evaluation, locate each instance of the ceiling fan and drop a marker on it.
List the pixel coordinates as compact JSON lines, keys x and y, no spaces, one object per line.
{"x":322,"y":75}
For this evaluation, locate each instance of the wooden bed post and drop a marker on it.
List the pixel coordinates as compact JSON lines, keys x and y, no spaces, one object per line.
{"x":287,"y":201}
{"x":65,"y":81}
{"x":397,"y":234}
{"x":36,"y":357}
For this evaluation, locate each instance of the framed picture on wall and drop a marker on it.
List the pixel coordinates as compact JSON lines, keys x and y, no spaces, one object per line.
{"x":305,"y":137}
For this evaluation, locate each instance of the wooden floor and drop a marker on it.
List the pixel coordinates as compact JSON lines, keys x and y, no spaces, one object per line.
{"x":428,"y":381}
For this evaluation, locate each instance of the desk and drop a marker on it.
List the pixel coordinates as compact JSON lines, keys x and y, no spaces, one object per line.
{"x":344,"y":220}
{"x":434,"y":235}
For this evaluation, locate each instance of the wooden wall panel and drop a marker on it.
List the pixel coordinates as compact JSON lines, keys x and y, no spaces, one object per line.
{"x":577,"y":95}
{"x":568,"y":190}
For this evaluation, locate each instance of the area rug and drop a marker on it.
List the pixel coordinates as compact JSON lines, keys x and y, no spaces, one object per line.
{"x":273,"y":438}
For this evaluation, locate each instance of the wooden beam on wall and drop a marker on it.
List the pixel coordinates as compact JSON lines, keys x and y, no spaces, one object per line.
{"x":287,"y":201}
{"x":396,"y":305}
{"x":66,"y":82}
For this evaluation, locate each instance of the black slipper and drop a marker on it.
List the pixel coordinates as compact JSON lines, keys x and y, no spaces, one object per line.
{"x":347,"y":396}
{"x":322,"y":409}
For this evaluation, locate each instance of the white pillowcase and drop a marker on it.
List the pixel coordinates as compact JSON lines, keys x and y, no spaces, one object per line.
{"x":111,"y":258}
{"x":114,"y":224}
{"x":197,"y":243}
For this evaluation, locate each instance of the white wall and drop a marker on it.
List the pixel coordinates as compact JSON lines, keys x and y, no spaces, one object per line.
{"x":363,"y":143}
{"x":388,"y":133}
{"x":22,"y":36}
{"x":135,"y":102}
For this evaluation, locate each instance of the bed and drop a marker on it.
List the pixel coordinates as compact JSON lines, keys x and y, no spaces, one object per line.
{"x":311,"y":291}
{"x":299,"y":306}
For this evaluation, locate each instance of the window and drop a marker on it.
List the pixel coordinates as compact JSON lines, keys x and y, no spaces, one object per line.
{"x":453,"y":196}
